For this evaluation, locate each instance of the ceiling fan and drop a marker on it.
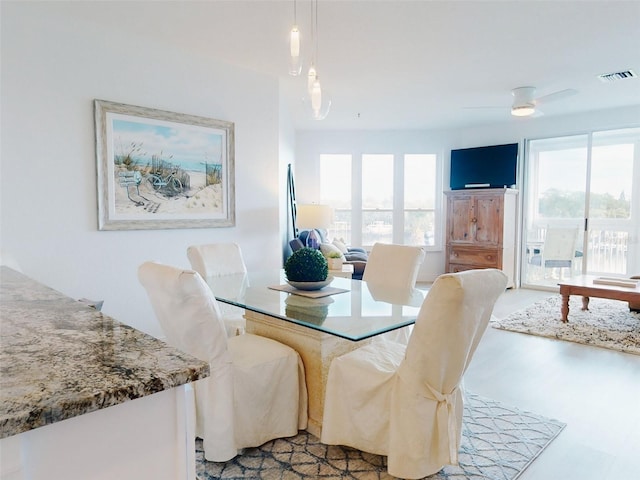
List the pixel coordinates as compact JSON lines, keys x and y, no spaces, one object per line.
{"x":525,"y":102}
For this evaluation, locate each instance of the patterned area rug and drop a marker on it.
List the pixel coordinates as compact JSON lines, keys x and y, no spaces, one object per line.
{"x":498,"y":443}
{"x":607,"y":323}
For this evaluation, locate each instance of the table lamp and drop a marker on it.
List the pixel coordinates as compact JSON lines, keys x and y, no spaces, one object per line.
{"x":311,"y":217}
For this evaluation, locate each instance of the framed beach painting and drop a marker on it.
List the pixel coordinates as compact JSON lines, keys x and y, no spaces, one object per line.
{"x":159,"y":169}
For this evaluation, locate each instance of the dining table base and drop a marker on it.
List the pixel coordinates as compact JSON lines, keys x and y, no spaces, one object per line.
{"x":317,"y":350}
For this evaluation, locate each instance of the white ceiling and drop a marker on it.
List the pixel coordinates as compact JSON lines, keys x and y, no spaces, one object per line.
{"x":412,"y":64}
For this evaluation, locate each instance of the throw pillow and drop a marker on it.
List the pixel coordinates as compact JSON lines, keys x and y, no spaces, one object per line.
{"x":327,"y":248}
{"x":340,"y":245}
{"x":352,"y":256}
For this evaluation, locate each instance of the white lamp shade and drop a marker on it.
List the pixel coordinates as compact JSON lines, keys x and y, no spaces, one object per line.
{"x":314,"y":216}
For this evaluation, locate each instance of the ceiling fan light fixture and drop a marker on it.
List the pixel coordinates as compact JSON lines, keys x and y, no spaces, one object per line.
{"x":523,"y":110}
{"x":523,"y":104}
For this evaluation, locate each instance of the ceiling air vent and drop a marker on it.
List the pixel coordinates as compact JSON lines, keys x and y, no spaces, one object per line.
{"x":615,"y":76}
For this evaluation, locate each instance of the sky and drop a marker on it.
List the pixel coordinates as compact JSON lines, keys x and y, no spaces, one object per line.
{"x":190,"y":145}
{"x":611,"y":171}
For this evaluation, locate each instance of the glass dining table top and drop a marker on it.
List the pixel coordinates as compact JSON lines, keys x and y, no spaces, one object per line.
{"x":359,"y":311}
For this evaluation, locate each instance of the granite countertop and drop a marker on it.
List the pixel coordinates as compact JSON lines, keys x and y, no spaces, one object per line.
{"x":60,"y":358}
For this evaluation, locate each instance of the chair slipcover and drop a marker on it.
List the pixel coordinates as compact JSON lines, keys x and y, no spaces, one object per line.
{"x":222,"y":266}
{"x":256,"y":390}
{"x":216,"y":259}
{"x":397,"y":296}
{"x":406,"y":401}
{"x":395,"y":267}
{"x":560,"y":248}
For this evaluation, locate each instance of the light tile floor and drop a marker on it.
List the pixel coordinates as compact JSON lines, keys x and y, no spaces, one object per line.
{"x":594,"y":390}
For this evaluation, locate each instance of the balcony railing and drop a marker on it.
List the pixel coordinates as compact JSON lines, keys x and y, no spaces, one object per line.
{"x":606,"y":253}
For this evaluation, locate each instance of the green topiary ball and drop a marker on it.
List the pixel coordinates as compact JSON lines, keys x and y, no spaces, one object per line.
{"x":306,"y":265}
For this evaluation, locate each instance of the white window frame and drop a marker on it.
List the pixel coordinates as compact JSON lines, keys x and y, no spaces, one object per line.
{"x":398,"y":201}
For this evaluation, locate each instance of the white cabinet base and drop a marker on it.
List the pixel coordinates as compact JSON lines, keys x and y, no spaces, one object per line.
{"x":148,"y":438}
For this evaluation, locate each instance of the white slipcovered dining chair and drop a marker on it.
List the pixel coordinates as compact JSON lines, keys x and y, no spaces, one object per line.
{"x":559,"y":250}
{"x":395,"y":267}
{"x":216,"y":259}
{"x":397,"y":296}
{"x":406,"y":402}
{"x":256,"y":390}
{"x":222,"y":267}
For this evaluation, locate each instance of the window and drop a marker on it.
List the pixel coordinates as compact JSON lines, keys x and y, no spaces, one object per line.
{"x":377,"y":199}
{"x":560,"y":168}
{"x":584,"y":182}
{"x":419,"y":199}
{"x":335,"y":190}
{"x":612,"y":166}
{"x":392,"y":197}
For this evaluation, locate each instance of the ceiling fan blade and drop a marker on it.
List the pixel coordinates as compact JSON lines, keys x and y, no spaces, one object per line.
{"x":523,"y":98}
{"x":485,"y":107}
{"x":555,"y":96}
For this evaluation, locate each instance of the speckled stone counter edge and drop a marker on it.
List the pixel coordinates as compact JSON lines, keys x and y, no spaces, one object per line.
{"x":60,"y":358}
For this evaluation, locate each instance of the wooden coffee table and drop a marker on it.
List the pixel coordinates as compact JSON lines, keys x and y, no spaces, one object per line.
{"x":583,"y":285}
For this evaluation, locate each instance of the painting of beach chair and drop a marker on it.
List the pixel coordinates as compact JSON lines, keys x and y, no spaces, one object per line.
{"x":128,"y":179}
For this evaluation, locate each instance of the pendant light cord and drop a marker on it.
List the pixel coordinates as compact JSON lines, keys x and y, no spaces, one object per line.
{"x":314,"y":34}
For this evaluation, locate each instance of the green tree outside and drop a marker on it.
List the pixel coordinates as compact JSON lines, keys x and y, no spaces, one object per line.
{"x":555,"y":203}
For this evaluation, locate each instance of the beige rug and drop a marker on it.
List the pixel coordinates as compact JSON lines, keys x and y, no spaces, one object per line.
{"x":498,"y":443}
{"x":607,"y":323}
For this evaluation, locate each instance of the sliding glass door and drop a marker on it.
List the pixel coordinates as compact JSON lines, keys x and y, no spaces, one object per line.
{"x":581,"y":206}
{"x":615,"y":190}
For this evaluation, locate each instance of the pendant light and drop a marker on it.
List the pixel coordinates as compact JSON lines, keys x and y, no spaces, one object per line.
{"x":295,"y":66}
{"x":320,"y":103}
{"x":316,"y":96}
{"x":312,"y":76}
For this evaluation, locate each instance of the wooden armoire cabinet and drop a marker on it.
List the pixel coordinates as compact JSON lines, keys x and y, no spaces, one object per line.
{"x":481,"y":230}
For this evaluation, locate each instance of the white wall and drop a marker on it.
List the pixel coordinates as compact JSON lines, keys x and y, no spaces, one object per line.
{"x":287,"y":157}
{"x":52,"y":68}
{"x":311,"y":144}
